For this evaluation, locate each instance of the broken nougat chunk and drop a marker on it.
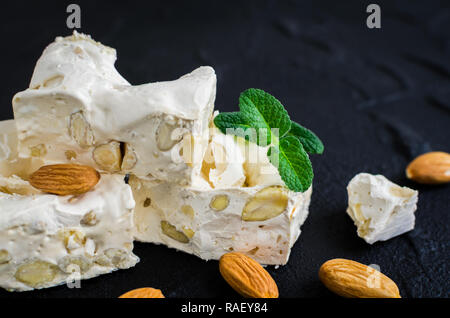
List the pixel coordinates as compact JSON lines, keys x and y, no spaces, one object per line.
{"x":218,"y":213}
{"x":10,"y":163}
{"x":78,"y":108}
{"x":380,"y":209}
{"x":47,"y":240}
{"x":262,"y":222}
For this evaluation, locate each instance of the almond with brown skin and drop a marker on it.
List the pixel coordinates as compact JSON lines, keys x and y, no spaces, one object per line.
{"x":247,"y":277}
{"x":146,"y":292}
{"x":355,"y":280}
{"x":430,"y":168}
{"x":65,"y":179}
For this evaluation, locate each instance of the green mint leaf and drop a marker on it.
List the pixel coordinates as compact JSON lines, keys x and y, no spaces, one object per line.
{"x":262,"y":110}
{"x":309,"y":140}
{"x":259,"y":113}
{"x":230,"y":120}
{"x":233,"y":123}
{"x":293,"y":164}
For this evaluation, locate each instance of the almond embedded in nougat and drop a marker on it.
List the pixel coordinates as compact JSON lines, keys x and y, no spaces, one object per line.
{"x":129,"y":159}
{"x":164,"y":136}
{"x":4,"y":256}
{"x":80,"y":130}
{"x":266,"y":204}
{"x":172,"y":232}
{"x":37,"y":273}
{"x":65,"y":179}
{"x":247,"y":277}
{"x":219,"y":202}
{"x":108,"y":156}
{"x":430,"y":168}
{"x":355,"y":280}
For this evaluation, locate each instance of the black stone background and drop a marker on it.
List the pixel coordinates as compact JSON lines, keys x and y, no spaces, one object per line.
{"x":377,"y":98}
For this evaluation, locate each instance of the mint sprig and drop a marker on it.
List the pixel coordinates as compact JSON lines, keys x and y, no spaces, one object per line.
{"x":294,"y":165}
{"x":260,"y":113}
{"x":262,"y":110}
{"x":309,"y":140}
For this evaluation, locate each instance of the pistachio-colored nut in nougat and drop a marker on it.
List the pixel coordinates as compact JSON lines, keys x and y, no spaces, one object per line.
{"x":164,"y":136}
{"x":172,"y":232}
{"x":38,"y":151}
{"x":219,"y":202}
{"x":74,"y":264}
{"x":108,"y":156}
{"x":89,"y":219}
{"x":118,"y":257}
{"x":65,"y":179}
{"x":187,"y":150}
{"x":129,"y":158}
{"x":73,"y":239}
{"x":430,"y":168}
{"x":70,"y":154}
{"x":36,"y":273}
{"x":188,"y":210}
{"x":80,"y":130}
{"x":188,"y":232}
{"x":355,"y":280}
{"x":266,"y":204}
{"x":115,"y":257}
{"x":4,"y":257}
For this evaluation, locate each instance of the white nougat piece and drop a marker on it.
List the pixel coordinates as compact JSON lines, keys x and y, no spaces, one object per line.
{"x":380,"y":209}
{"x":78,"y":108}
{"x":10,"y":163}
{"x":47,"y":240}
{"x":262,"y":222}
{"x":218,"y":213}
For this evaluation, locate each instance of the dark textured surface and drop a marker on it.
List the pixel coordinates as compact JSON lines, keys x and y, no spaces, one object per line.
{"x":377,"y":98}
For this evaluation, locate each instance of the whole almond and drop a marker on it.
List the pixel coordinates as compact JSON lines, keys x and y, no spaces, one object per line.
{"x":146,"y":292}
{"x":65,"y":179}
{"x":355,"y":280}
{"x":430,"y":168}
{"x":247,"y":277}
